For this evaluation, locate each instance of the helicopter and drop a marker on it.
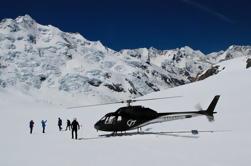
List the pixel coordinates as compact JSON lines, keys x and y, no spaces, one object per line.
{"x":134,"y":117}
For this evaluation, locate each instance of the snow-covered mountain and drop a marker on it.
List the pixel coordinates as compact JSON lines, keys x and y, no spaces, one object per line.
{"x":233,"y":51}
{"x":42,"y":58}
{"x":230,"y":146}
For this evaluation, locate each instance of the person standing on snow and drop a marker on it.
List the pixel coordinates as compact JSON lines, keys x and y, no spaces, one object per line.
{"x":43,"y":122}
{"x":68,"y":125}
{"x":31,"y":126}
{"x":75,"y":127}
{"x":60,"y":124}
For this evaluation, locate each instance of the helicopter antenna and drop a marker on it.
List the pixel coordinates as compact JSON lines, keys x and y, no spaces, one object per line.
{"x":121,"y":102}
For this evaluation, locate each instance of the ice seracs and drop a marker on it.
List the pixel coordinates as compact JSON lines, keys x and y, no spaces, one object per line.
{"x":43,"y":58}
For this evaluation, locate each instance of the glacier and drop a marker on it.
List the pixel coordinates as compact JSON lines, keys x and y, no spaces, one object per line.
{"x":37,"y":58}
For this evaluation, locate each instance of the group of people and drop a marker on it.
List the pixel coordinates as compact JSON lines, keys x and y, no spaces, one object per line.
{"x":73,"y":126}
{"x":32,"y":123}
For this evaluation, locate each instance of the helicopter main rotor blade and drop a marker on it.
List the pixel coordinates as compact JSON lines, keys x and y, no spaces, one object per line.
{"x":170,"y":97}
{"x":121,"y":102}
{"x":93,"y":105}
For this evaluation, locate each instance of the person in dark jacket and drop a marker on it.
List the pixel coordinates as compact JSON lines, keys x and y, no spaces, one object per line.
{"x":43,"y":122}
{"x":75,"y":127}
{"x":31,"y":126}
{"x":68,"y":125}
{"x":60,"y":124}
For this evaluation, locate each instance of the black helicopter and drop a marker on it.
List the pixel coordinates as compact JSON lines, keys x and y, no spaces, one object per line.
{"x":135,"y":117}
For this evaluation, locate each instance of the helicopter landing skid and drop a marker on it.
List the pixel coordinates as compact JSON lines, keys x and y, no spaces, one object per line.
{"x":194,"y":133}
{"x":182,"y":134}
{"x":147,"y":133}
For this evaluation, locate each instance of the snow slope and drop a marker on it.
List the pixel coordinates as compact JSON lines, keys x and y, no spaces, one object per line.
{"x":230,"y":148}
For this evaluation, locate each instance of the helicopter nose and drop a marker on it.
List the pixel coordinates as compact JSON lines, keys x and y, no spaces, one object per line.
{"x":97,"y":126}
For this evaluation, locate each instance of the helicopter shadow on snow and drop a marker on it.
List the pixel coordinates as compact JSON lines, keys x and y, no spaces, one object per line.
{"x":168,"y":134}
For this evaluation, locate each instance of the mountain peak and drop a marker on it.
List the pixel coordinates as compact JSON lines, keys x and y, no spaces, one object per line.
{"x":25,"y":18}
{"x":26,"y":21}
{"x":238,"y":47}
{"x":187,"y":48}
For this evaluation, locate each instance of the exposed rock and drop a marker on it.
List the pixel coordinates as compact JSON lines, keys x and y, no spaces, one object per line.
{"x":248,"y":63}
{"x":212,"y":71}
{"x":115,"y":87}
{"x":133,"y":90}
{"x":154,"y":87}
{"x":95,"y":82}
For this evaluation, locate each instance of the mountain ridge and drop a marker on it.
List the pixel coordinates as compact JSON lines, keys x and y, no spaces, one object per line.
{"x":42,"y":58}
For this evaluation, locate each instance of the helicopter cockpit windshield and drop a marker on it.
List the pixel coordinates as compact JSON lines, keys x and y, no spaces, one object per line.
{"x":103,"y":118}
{"x":110,"y":119}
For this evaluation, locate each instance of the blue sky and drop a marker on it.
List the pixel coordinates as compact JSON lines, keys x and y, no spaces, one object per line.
{"x":208,"y":25}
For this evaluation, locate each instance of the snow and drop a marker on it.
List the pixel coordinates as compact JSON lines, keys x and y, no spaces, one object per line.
{"x":229,"y":148}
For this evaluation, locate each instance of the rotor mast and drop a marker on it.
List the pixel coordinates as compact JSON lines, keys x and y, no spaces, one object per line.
{"x":129,"y":102}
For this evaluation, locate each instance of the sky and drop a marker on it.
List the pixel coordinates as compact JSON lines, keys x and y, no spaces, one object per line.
{"x":207,"y":25}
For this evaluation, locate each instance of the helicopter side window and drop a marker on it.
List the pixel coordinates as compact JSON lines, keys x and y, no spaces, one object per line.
{"x":119,"y":118}
{"x":109,"y":120}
